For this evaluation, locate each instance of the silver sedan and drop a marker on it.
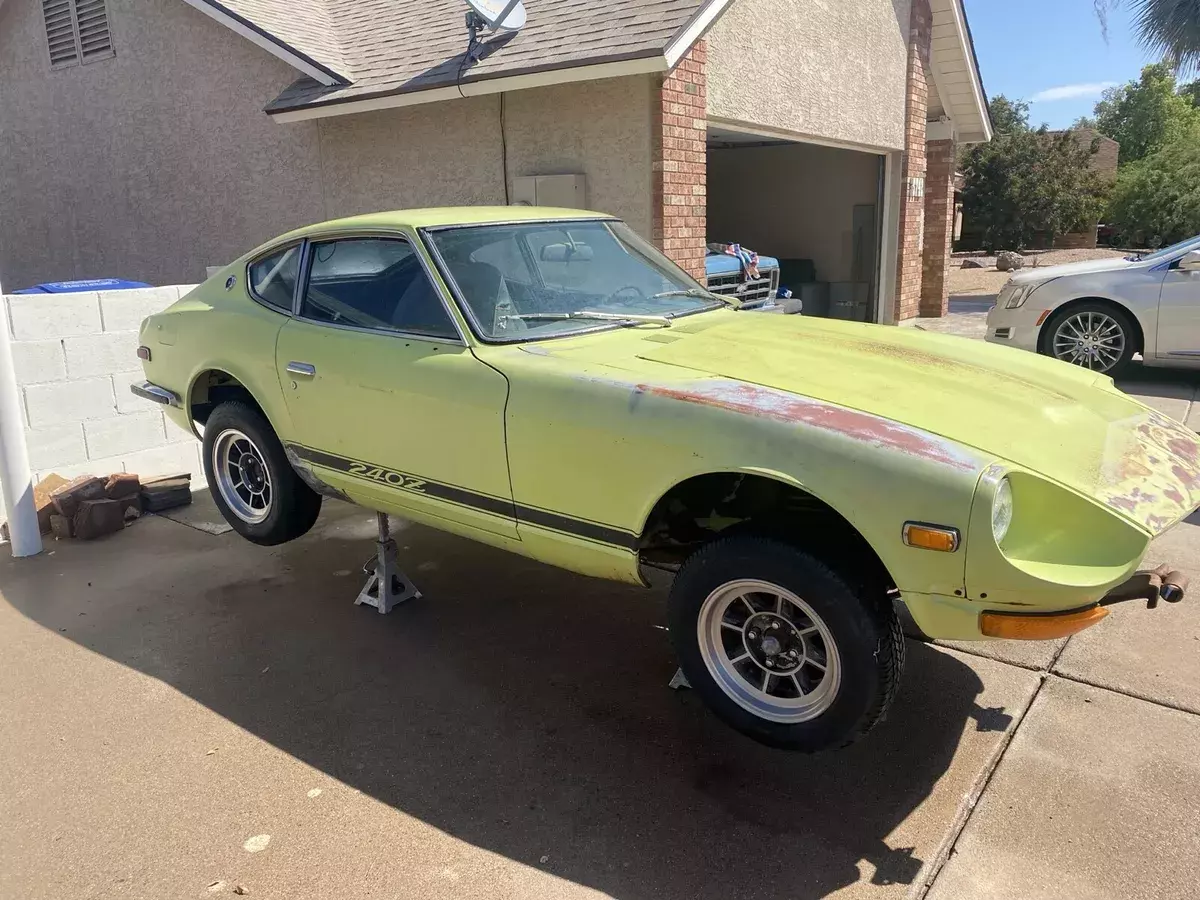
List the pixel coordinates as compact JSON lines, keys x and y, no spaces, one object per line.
{"x":1099,"y":313}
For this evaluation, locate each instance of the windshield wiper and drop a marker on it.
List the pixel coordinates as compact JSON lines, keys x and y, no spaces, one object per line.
{"x":695,"y":292}
{"x":631,"y":318}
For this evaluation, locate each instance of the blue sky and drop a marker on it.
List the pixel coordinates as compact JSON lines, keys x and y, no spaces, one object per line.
{"x":1052,"y":53}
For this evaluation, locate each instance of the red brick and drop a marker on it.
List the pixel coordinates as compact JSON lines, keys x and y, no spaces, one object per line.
{"x":679,"y":163}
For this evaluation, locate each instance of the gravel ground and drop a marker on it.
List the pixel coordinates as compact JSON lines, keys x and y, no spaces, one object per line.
{"x":989,"y":281}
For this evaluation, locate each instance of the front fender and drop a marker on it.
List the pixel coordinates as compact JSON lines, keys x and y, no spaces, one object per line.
{"x":598,"y":444}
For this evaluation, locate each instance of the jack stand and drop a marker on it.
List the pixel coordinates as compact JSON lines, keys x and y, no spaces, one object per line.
{"x":387,"y":586}
{"x":679,"y":681}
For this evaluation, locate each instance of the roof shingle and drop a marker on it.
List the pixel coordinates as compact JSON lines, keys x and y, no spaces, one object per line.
{"x":398,"y":46}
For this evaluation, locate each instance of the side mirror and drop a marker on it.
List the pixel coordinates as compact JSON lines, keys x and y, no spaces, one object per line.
{"x":566,"y":253}
{"x":1189,"y":262}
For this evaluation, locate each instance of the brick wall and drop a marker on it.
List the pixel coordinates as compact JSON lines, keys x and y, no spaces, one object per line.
{"x":939,"y":226}
{"x":909,"y":264}
{"x":75,"y":356}
{"x":1079,"y":240}
{"x":679,"y":163}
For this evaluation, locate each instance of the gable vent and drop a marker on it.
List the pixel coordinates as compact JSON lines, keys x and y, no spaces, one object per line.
{"x":76,"y":31}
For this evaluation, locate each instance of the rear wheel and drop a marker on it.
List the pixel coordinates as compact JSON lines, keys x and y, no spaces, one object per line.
{"x":780,"y":647}
{"x":254,"y":486}
{"x":1094,"y":335}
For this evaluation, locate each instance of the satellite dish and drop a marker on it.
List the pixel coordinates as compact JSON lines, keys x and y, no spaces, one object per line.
{"x":507,"y":15}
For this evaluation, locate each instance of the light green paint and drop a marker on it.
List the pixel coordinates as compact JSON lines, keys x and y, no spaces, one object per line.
{"x":884,"y":425}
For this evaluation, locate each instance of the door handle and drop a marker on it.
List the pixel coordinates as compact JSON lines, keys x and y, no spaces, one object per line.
{"x":302,"y":368}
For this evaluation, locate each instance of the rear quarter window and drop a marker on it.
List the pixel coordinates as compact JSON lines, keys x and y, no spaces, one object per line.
{"x":273,"y":278}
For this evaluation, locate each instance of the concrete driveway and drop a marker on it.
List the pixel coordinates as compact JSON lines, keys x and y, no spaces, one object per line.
{"x":183,"y":714}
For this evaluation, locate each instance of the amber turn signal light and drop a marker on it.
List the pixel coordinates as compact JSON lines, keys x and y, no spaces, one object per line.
{"x":1018,"y":627}
{"x":930,"y":537}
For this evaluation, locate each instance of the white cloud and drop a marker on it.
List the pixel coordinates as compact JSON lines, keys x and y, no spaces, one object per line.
{"x":1072,"y":91}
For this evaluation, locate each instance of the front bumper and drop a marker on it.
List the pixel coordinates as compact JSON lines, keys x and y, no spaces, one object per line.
{"x":1014,"y":327}
{"x":957,"y":618}
{"x":1151,"y":585}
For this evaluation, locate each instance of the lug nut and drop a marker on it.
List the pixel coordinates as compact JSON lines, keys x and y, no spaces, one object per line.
{"x":774,"y":626}
{"x":752,"y":634}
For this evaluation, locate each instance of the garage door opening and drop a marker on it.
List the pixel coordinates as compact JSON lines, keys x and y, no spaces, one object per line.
{"x":813,"y":208}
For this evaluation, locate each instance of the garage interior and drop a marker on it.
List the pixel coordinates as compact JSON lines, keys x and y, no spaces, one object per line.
{"x":814,"y":208}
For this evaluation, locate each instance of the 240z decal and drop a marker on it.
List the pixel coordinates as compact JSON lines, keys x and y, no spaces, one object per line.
{"x":386,"y":476}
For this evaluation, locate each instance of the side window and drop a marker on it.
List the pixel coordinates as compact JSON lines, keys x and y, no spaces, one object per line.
{"x":374,"y":283}
{"x":273,"y":280}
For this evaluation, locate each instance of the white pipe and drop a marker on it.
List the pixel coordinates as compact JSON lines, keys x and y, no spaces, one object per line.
{"x":15,"y":477}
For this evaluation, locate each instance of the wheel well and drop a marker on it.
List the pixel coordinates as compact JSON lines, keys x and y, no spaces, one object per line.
{"x":702,"y":508}
{"x":1139,"y":337}
{"x":212,"y":388}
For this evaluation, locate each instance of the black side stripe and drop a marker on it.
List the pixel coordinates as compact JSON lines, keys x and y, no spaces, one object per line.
{"x":405,"y":482}
{"x":592,"y":531}
{"x":603,"y":534}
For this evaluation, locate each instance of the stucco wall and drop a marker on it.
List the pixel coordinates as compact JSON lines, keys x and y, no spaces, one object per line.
{"x":600,"y":129}
{"x":140,"y":166}
{"x":791,"y":201}
{"x":160,"y":162}
{"x":451,"y":153}
{"x":75,"y":356}
{"x":833,"y":70}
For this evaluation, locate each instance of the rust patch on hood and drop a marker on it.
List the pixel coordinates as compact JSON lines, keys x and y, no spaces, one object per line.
{"x":1150,"y":470}
{"x":781,"y":406}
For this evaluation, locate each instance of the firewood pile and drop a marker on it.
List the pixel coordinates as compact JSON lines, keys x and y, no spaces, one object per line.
{"x":92,"y":506}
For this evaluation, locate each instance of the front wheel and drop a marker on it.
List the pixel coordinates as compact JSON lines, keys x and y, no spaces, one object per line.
{"x":1096,"y":336}
{"x":780,"y":647}
{"x":253,"y":484}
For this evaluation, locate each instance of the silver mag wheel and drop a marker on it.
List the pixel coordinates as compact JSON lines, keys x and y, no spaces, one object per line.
{"x":1089,"y":338}
{"x":242,"y":476}
{"x":769,"y":651}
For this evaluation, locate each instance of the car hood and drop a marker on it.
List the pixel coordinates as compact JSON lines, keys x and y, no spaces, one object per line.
{"x":1062,"y":422}
{"x":1085,"y":267}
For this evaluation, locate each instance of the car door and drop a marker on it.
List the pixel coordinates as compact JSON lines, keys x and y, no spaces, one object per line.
{"x":1179,"y":311}
{"x":387,"y":401}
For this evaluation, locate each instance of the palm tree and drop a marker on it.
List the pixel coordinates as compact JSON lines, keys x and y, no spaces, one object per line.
{"x":1167,"y":28}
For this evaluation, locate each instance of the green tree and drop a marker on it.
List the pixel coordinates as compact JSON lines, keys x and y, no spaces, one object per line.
{"x":1191,"y":92}
{"x":1167,"y":28}
{"x":1009,"y":115}
{"x":1144,"y":115}
{"x":1157,"y":199}
{"x":1026,"y":182}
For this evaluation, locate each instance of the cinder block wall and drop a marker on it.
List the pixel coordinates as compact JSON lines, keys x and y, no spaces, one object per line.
{"x":75,"y":356}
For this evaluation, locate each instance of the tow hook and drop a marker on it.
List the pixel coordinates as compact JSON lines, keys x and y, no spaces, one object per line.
{"x":1151,"y":585}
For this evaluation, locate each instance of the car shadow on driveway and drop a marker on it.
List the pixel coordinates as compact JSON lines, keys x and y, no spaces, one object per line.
{"x":515,"y":707}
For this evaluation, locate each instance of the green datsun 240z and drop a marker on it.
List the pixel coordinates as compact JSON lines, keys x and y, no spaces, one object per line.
{"x":547,"y":382}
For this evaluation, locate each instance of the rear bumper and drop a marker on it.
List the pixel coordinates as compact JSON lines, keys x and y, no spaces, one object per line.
{"x":156,"y":394}
{"x":956,"y":618}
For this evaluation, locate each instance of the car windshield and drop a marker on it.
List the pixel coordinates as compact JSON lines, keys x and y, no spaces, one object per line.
{"x":1192,"y":243}
{"x":546,"y":279}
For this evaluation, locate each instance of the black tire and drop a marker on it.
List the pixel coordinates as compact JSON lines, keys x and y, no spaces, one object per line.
{"x":865,"y":630}
{"x":1113,"y":311}
{"x":294,"y":505}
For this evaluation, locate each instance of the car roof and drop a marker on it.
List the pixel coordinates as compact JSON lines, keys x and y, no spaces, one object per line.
{"x":441,"y":216}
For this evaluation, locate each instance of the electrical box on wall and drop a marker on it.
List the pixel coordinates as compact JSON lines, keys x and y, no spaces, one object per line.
{"x":568,"y":191}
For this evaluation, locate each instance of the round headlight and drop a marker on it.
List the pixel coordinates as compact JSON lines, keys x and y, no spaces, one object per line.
{"x":1002,"y":510}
